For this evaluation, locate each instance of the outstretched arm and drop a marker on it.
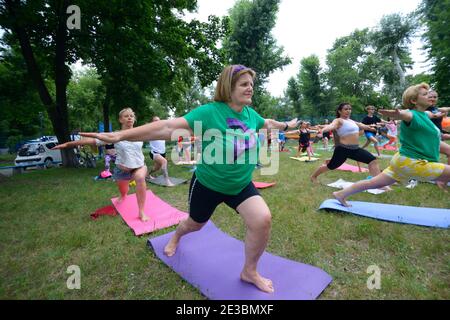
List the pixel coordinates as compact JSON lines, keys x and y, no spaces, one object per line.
{"x":366,"y":127}
{"x":336,"y":124}
{"x":437,"y":115}
{"x":73,"y":144}
{"x":159,"y":130}
{"x":380,"y":114}
{"x":273,"y":124}
{"x":397,"y":114}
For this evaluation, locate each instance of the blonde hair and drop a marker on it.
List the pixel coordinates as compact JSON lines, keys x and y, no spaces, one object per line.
{"x":227,"y":81}
{"x":129,"y":110}
{"x":412,"y":93}
{"x":367,"y":108}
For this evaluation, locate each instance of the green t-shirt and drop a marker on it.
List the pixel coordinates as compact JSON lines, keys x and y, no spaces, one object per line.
{"x":229,"y":145}
{"x":420,"y":138}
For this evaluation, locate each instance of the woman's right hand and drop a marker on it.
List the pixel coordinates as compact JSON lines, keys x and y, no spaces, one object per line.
{"x":61,"y":146}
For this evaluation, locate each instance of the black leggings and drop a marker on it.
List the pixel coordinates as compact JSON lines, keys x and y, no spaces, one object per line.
{"x":341,"y":153}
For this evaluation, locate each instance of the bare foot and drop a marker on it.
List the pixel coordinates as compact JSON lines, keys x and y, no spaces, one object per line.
{"x":261,"y":283}
{"x":314,"y":180}
{"x":341,"y":199}
{"x":121,"y":198}
{"x":169,"y":183}
{"x":171,"y":247}
{"x":143,"y":217}
{"x":442,"y":185}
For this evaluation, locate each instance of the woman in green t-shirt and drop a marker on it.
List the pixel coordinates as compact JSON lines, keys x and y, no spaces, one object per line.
{"x":228,"y":127}
{"x":419,"y":152}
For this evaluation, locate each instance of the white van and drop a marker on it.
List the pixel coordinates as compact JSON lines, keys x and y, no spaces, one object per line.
{"x":38,"y":153}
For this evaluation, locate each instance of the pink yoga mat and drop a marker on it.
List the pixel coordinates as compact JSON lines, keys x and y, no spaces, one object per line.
{"x":348,"y":167}
{"x":263,"y":185}
{"x":161,"y":214}
{"x":388,"y":147}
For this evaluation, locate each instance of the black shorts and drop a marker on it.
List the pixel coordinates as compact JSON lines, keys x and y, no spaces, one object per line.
{"x":161,"y":154}
{"x":326,"y":135}
{"x":304,"y":146}
{"x":341,"y":153}
{"x":203,"y":201}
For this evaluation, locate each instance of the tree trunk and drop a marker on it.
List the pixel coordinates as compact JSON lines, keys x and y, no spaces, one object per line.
{"x":400,"y":71}
{"x":57,"y":111}
{"x":106,"y":109}
{"x":401,"y":74}
{"x":62,"y":76}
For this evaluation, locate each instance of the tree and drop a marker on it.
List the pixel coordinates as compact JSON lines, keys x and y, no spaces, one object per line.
{"x":193,"y":97}
{"x":311,"y":85}
{"x":41,"y":31}
{"x":293,"y":95}
{"x":137,"y":47}
{"x":278,"y":108}
{"x":149,"y":50}
{"x":251,"y":43}
{"x":353,"y":70}
{"x":436,"y":16}
{"x":23,"y":114}
{"x":391,"y":39}
{"x":85,"y":95}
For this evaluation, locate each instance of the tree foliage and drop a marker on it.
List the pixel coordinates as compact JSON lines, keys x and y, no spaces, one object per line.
{"x":293,"y":95}
{"x":85,"y":94}
{"x":391,"y":40}
{"x":251,"y":43}
{"x":138,"y":47}
{"x":311,"y":86}
{"x":435,"y":15}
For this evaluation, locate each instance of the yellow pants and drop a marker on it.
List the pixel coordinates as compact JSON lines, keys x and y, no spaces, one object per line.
{"x":404,"y":169}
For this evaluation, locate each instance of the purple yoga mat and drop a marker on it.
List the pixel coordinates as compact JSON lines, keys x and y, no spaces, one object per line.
{"x":211,"y":261}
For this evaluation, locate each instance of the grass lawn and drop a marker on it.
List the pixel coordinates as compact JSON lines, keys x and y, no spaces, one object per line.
{"x":45,"y":227}
{"x":7,"y":159}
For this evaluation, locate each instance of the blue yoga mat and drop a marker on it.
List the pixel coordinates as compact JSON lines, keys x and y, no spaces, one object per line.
{"x":212,"y":261}
{"x":429,"y":217}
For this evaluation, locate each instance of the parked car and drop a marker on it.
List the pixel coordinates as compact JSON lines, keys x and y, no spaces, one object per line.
{"x":38,"y":153}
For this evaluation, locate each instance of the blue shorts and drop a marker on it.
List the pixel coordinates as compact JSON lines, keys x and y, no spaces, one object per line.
{"x":119,"y":174}
{"x":369,"y":134}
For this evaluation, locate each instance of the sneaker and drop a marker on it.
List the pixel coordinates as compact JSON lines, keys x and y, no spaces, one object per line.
{"x":412,"y":184}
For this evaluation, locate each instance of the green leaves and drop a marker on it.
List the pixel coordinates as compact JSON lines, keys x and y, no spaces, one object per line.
{"x":436,"y":15}
{"x":251,"y":43}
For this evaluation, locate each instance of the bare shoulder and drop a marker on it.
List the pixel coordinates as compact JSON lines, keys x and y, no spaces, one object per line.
{"x":337,"y":122}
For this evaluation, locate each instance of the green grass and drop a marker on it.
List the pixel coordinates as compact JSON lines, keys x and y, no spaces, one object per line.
{"x":45,"y":227}
{"x":7,"y":159}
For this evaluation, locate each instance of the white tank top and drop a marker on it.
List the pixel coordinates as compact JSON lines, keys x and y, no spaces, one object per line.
{"x":158,"y":146}
{"x":128,"y":153}
{"x":348,"y":127}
